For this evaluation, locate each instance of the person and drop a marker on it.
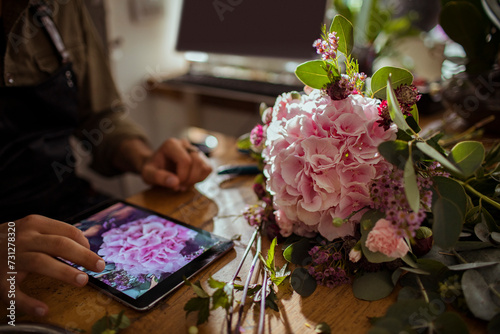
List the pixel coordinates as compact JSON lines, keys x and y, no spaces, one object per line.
{"x":55,"y":84}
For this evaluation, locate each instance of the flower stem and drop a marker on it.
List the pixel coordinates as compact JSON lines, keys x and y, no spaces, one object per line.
{"x":247,"y":250}
{"x":459,"y":257}
{"x":263,"y":304}
{"x":478,"y":194}
{"x":247,"y":283}
{"x":422,"y":288}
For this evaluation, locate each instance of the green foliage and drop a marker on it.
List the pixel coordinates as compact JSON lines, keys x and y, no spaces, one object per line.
{"x":466,"y":23}
{"x":344,"y":31}
{"x":448,"y":208}
{"x":277,"y":276}
{"x":302,"y":282}
{"x":379,"y":81}
{"x":314,"y":73}
{"x":394,"y":110}
{"x":411,"y":188}
{"x":298,"y":252}
{"x":221,"y":297}
{"x":373,"y":286}
{"x":468,"y":156}
{"x":113,"y":323}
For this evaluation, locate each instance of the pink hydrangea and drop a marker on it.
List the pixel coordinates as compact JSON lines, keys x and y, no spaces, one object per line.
{"x":150,"y":245}
{"x":321,"y":156}
{"x":382,"y":238}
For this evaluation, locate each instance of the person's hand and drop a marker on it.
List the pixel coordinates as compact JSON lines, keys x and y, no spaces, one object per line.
{"x":177,"y":165}
{"x":33,"y":243}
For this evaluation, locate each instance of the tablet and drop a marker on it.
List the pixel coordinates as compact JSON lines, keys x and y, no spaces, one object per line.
{"x":147,"y":254}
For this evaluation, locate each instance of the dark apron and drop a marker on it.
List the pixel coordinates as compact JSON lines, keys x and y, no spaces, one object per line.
{"x":37,"y":165}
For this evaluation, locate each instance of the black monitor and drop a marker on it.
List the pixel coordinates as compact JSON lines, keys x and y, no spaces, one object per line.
{"x":257,"y":28}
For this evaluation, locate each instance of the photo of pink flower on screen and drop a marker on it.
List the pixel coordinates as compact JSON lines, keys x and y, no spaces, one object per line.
{"x":150,"y":245}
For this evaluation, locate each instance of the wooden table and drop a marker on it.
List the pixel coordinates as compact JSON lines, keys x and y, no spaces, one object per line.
{"x":217,"y":208}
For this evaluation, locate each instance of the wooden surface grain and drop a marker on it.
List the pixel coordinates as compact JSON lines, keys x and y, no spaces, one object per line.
{"x":215,"y":205}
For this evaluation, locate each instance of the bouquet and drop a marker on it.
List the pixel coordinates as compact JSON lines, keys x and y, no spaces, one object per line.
{"x":358,"y":195}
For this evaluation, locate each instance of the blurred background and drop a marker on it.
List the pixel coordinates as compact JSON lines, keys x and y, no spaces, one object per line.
{"x":211,"y":63}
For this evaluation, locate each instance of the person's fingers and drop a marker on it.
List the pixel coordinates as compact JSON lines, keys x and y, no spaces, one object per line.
{"x":200,"y":169}
{"x":46,"y":265}
{"x":30,"y":305}
{"x":161,"y":177}
{"x":66,"y":248}
{"x":45,"y":225}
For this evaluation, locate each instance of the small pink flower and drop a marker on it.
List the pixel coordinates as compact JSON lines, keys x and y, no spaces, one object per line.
{"x":257,"y":136}
{"x":382,"y":238}
{"x":354,"y":255}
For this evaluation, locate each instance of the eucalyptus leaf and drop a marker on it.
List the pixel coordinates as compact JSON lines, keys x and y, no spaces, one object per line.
{"x":488,"y":219}
{"x":394,"y":110}
{"x":413,"y":123}
{"x":369,"y":219}
{"x":416,"y":271}
{"x":434,"y":154}
{"x":475,"y":265}
{"x":468,"y":156}
{"x":447,"y":222}
{"x":482,"y":233}
{"x":450,"y":323}
{"x":396,"y":152}
{"x":298,"y":252}
{"x":302,"y":282}
{"x":471,"y":245}
{"x":495,"y":236}
{"x":477,"y":295}
{"x":313,"y":74}
{"x":373,"y":286}
{"x":410,"y":186}
{"x":409,"y":293}
{"x":344,"y":31}
{"x":399,"y":76}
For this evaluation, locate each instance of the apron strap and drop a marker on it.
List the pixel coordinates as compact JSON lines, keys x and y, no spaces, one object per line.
{"x":43,"y":13}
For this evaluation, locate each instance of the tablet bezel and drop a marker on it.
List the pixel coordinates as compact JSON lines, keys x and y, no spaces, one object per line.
{"x":148,"y":299}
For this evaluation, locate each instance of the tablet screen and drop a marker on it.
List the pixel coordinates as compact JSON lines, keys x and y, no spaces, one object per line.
{"x":143,"y":249}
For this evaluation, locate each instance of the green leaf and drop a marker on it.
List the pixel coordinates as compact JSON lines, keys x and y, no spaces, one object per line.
{"x":396,"y":152}
{"x":450,"y":323}
{"x":434,"y":154}
{"x":394,"y":110}
{"x":477,"y":295}
{"x":451,"y":189}
{"x":463,"y":23}
{"x":197,"y":288}
{"x":270,"y":256}
{"x":302,"y":282}
{"x":313,"y":74}
{"x":399,"y":76}
{"x":202,"y":305}
{"x":467,"y":266}
{"x":413,"y":123}
{"x":220,"y":299}
{"x":410,"y":185}
{"x":215,"y":284}
{"x":468,"y":156}
{"x":373,"y":286}
{"x":298,"y":252}
{"x":447,"y":222}
{"x":344,"y":31}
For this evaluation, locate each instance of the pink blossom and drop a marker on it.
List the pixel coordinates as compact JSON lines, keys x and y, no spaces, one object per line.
{"x":354,"y":255}
{"x":382,"y":238}
{"x":150,"y":245}
{"x":321,"y":155}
